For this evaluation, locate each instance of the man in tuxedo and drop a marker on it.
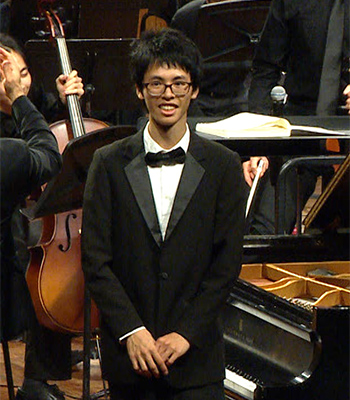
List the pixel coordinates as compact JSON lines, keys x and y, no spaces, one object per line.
{"x":162,"y":237}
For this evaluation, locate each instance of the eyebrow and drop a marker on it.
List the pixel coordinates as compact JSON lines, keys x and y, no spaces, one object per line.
{"x":181,"y":77}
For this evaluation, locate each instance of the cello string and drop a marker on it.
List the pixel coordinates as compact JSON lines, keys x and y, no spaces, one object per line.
{"x":73,"y":101}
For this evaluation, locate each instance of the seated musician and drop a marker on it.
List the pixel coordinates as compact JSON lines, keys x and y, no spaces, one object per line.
{"x":294,"y":41}
{"x":26,"y":163}
{"x":163,"y":221}
{"x":48,"y":354}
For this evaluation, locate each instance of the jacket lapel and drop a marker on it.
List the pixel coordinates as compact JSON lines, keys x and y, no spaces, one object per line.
{"x":136,"y":172}
{"x":191,"y":176}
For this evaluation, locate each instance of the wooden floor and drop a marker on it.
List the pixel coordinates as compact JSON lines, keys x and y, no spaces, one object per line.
{"x":73,"y":388}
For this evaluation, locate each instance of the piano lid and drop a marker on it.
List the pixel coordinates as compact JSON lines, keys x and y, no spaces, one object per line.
{"x":331,"y":210}
{"x":268,"y":341}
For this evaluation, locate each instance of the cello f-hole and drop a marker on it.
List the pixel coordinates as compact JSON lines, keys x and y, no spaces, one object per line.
{"x":69,"y":240}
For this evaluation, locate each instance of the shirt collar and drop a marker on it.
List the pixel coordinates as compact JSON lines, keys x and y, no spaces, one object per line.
{"x":152,"y":146}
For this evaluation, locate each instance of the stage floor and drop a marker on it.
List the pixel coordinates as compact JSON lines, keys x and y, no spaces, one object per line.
{"x":73,"y":388}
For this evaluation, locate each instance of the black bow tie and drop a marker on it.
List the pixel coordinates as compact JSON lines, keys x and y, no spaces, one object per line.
{"x":172,"y":157}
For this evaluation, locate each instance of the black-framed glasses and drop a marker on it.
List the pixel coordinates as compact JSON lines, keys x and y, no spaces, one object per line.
{"x":156,"y":88}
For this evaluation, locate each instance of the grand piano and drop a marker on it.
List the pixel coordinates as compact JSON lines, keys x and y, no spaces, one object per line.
{"x":287,"y":323}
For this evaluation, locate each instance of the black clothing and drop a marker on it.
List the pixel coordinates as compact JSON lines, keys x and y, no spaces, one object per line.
{"x":164,"y":392}
{"x":178,"y":284}
{"x":24,"y":165}
{"x":293,"y":41}
{"x":48,"y":354}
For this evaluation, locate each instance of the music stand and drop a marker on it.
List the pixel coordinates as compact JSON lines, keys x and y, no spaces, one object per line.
{"x":102,"y":64}
{"x":109,"y":18}
{"x":226,"y":34}
{"x":65,"y":191}
{"x":230,"y":30}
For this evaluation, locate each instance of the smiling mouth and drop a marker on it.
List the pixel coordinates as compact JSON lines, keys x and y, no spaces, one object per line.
{"x":167,"y":107}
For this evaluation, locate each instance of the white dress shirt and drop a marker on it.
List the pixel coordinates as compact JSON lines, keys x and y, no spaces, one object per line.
{"x":165,"y":179}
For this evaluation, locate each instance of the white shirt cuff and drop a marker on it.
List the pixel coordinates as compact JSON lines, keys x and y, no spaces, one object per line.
{"x":130,"y":333}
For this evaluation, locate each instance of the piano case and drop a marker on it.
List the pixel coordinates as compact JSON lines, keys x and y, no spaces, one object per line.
{"x":287,"y":323}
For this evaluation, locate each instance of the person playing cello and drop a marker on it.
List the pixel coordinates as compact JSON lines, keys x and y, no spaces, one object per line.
{"x":48,"y":353}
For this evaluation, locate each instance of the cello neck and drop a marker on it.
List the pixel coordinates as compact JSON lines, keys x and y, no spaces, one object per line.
{"x":75,"y":113}
{"x":57,"y":32}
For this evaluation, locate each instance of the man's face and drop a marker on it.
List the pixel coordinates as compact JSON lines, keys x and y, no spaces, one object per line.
{"x":167,"y":110}
{"x":26,"y":81}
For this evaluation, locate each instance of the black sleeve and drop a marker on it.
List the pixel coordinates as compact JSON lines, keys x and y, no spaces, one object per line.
{"x":45,"y":159}
{"x":269,"y":60}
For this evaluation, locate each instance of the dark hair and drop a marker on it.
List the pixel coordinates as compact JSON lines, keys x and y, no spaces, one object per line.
{"x":9,"y":43}
{"x":165,"y":46}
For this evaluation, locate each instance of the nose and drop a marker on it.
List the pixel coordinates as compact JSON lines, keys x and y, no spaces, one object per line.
{"x":168,"y":93}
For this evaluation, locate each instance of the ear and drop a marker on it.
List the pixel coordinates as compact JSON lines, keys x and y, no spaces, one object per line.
{"x":139,"y":93}
{"x":194,"y":94}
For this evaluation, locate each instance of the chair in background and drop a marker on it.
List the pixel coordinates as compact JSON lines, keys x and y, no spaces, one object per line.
{"x":298,"y":164}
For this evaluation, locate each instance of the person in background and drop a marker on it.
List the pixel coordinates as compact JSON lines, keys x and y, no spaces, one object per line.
{"x":293,"y":50}
{"x":162,"y":236}
{"x":224,"y":87}
{"x":48,"y":353}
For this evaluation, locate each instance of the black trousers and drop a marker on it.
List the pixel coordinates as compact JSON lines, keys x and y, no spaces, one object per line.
{"x":160,"y":390}
{"x":47,"y":355}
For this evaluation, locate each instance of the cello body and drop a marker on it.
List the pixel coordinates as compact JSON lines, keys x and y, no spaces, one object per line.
{"x":55,"y":278}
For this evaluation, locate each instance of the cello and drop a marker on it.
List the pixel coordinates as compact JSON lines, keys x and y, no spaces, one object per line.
{"x":54,"y":276}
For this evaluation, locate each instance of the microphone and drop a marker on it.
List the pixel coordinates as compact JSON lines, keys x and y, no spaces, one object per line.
{"x":279,"y":98}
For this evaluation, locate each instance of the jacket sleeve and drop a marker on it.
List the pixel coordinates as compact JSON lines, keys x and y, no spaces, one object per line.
{"x":97,"y":253}
{"x":28,"y":162}
{"x":41,"y":144}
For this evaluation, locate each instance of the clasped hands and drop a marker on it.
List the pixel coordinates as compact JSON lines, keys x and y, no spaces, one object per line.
{"x":150,"y":357}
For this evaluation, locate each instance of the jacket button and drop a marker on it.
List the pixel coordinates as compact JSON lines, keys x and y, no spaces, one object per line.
{"x":164,"y":275}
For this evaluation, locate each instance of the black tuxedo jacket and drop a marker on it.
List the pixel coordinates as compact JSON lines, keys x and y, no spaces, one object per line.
{"x":179,"y":284}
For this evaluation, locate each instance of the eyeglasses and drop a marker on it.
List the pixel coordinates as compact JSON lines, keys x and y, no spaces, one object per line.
{"x":156,"y":88}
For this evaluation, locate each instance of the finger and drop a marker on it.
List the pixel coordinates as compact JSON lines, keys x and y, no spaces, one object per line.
{"x":73,"y":74}
{"x":246,"y":174}
{"x":347,"y":90}
{"x":152,"y":367}
{"x":161,"y":364}
{"x":62,"y":79}
{"x":165,"y":353}
{"x":174,"y":356}
{"x":143,"y":368}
